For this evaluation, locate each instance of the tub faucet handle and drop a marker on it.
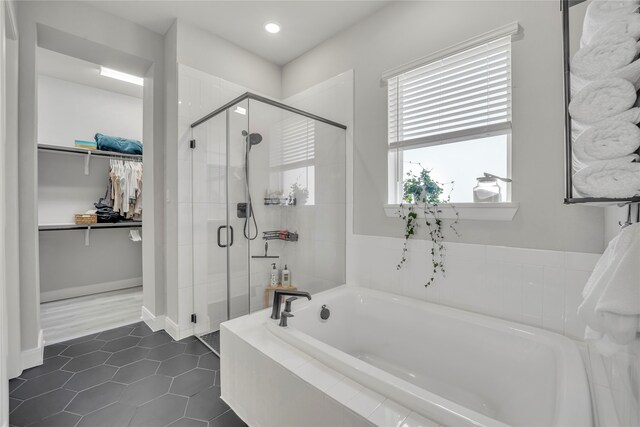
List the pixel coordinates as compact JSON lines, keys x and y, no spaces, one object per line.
{"x":287,"y":304}
{"x":283,"y":318}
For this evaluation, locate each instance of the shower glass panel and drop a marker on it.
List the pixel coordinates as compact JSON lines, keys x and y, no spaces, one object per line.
{"x":269,"y":186}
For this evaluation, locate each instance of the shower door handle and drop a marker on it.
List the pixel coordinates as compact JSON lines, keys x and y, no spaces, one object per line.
{"x":231,"y":235}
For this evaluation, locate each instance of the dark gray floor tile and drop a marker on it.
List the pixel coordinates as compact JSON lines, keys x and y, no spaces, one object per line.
{"x":51,"y":364}
{"x":13,"y":404}
{"x":145,"y":390}
{"x":209,"y":361}
{"x":91,"y":377}
{"x":15,"y":383}
{"x":127,"y":356}
{"x":141,"y":331}
{"x":120,"y":344}
{"x":54,"y":350}
{"x":161,"y":411}
{"x":206,"y":405}
{"x":228,"y":419}
{"x":86,"y":361}
{"x":41,"y":384}
{"x":193,"y":382}
{"x":34,"y":410}
{"x":197,"y":348}
{"x":178,"y":365}
{"x":95,"y":398}
{"x":80,"y":339}
{"x":112,"y":334}
{"x":61,"y":419}
{"x":115,"y":415}
{"x":187,"y":340}
{"x":136,"y":371}
{"x":188,"y":422}
{"x":155,"y":340}
{"x":166,"y":351}
{"x":82,"y":348}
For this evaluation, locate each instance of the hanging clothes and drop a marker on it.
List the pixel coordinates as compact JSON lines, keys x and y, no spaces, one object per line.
{"x":124,"y":190}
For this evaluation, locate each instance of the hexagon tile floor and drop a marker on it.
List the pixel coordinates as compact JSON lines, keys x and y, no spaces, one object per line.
{"x":128,"y":376}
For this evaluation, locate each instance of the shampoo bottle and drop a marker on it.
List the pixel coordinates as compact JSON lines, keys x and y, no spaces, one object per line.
{"x":286,"y":277}
{"x":274,"y":275}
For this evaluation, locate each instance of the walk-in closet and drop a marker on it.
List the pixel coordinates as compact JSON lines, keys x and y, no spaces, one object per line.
{"x":90,"y":174}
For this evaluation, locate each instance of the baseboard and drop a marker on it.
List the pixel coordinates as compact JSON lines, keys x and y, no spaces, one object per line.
{"x":157,"y":323}
{"x":154,"y":322}
{"x":172,"y":329}
{"x":33,"y":356}
{"x":80,"y":291}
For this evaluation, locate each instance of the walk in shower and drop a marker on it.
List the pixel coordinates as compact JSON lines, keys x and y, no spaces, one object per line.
{"x":269,"y":188}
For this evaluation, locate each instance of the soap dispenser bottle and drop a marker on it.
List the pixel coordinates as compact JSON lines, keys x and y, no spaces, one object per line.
{"x":274,"y":275}
{"x":286,"y":277}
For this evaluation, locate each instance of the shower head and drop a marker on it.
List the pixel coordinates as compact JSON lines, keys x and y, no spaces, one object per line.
{"x":252,"y":138}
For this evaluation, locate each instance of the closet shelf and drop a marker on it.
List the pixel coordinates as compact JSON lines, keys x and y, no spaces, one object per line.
{"x":94,"y":153}
{"x":100,"y":225}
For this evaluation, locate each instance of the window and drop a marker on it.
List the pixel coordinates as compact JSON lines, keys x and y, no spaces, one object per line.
{"x":292,"y":157}
{"x":452,"y":115}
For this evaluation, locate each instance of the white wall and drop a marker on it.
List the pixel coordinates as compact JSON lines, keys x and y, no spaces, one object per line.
{"x":218,"y":57}
{"x":93,"y":32}
{"x":404,"y":31}
{"x":68,"y":111}
{"x":11,"y":197}
{"x":4,"y":341}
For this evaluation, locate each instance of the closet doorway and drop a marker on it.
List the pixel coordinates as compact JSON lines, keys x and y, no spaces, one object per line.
{"x":89,"y":197}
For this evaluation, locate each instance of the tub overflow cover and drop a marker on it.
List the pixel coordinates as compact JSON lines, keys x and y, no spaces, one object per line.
{"x":325,"y":312}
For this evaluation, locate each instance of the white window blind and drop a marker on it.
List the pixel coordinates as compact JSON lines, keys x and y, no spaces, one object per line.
{"x":461,"y":95}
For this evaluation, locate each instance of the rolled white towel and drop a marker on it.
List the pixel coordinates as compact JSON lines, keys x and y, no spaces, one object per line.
{"x":632,"y":115}
{"x":607,"y":140}
{"x":630,"y":73}
{"x":602,"y":12}
{"x":579,"y":165}
{"x":627,"y":25}
{"x":603,"y":57}
{"x":608,"y":179}
{"x":602,"y":99}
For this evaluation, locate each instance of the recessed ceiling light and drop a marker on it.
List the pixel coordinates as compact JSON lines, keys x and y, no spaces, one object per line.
{"x":119,"y":75}
{"x":272,"y":27}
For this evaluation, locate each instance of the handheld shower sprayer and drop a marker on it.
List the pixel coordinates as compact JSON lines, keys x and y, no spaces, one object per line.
{"x":251,"y":139}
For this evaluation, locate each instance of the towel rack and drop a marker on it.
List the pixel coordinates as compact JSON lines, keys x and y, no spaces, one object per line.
{"x":565,"y":6}
{"x":630,"y":215}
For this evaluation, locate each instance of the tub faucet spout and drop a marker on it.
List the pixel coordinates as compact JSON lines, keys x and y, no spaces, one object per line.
{"x":277,"y":300}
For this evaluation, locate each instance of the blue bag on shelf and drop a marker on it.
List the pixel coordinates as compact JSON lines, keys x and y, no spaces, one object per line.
{"x":118,"y":144}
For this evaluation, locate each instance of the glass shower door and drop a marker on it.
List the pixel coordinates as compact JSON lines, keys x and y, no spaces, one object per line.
{"x":220,"y":249}
{"x":239,"y":210}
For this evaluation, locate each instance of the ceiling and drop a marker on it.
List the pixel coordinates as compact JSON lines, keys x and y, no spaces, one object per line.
{"x":54,"y":64}
{"x":305,"y":23}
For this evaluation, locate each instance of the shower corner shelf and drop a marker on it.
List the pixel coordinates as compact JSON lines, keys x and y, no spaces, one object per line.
{"x":279,"y":201}
{"x":287,"y":236}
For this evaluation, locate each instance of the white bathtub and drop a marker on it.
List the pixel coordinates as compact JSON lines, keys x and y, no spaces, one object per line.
{"x":451,"y":366}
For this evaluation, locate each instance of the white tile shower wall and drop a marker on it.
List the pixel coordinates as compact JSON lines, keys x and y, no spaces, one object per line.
{"x":536,"y":287}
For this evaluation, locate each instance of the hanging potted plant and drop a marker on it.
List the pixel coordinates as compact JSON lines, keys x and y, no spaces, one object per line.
{"x":422,"y":193}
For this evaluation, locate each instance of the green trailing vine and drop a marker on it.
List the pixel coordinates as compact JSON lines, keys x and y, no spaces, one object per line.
{"x":421,"y":192}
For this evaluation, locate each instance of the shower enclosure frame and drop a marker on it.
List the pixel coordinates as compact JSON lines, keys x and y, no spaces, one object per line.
{"x":226,"y":108}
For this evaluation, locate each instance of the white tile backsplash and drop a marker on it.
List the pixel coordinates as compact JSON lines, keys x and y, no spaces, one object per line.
{"x":537,"y":287}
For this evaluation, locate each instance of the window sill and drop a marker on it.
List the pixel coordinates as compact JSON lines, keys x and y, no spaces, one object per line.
{"x":504,"y":211}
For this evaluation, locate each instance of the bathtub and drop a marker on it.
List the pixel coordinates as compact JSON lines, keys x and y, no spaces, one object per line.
{"x":451,"y":366}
